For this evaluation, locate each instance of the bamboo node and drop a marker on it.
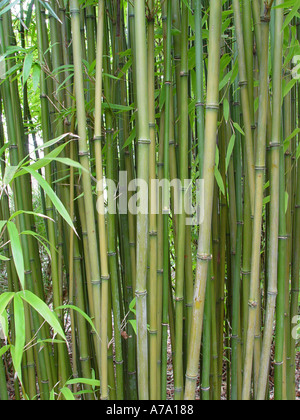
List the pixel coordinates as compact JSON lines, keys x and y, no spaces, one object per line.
{"x":74,"y":11}
{"x":105,"y":278}
{"x":192,"y":378}
{"x":243,"y":83}
{"x":111,"y":254}
{"x":260,"y":168}
{"x":274,"y":145}
{"x":204,"y":257}
{"x":96,"y":282}
{"x":83,"y":154}
{"x":265,"y":18}
{"x":213,"y":107}
{"x":245,"y":273}
{"x":179,"y":299}
{"x":199,"y":104}
{"x":84,"y":359}
{"x":141,"y":294}
{"x":252,"y":304}
{"x":144,"y":141}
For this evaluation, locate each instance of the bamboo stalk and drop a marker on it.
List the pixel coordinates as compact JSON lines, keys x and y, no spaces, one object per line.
{"x":275,"y":205}
{"x":205,"y":229}
{"x":142,"y":219}
{"x":260,"y":169}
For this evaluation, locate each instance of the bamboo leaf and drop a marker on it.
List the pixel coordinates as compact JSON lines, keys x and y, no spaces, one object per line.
{"x":5,"y":299}
{"x":44,"y":311}
{"x":4,"y":326}
{"x":17,"y":251}
{"x":67,"y":393}
{"x":27,"y":67}
{"x":92,"y":382}
{"x":4,"y":349}
{"x":230,"y":150}
{"x":50,"y":10}
{"x":83,"y":314}
{"x":53,"y":197}
{"x":238,"y":128}
{"x":226,"y":109}
{"x":8,"y":7}
{"x":19,"y":318}
{"x":36,"y":75}
{"x":10,"y":172}
{"x":219,"y":180}
{"x":3,"y":148}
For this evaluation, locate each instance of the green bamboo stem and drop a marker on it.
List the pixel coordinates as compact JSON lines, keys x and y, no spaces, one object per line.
{"x":203,"y":255}
{"x":236,"y":324}
{"x":84,"y":160}
{"x":153,"y":204}
{"x":245,"y":98}
{"x":259,"y":185}
{"x":183,"y":175}
{"x":100,"y":202}
{"x":287,"y":130}
{"x":275,"y":205}
{"x":13,"y":138}
{"x":142,"y":219}
{"x":206,"y":361}
{"x":160,"y":270}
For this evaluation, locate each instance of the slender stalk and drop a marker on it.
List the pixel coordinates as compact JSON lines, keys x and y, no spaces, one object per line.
{"x":204,"y":255}
{"x":142,"y":219}
{"x":259,"y":186}
{"x":245,"y":97}
{"x":84,"y":160}
{"x":275,"y":205}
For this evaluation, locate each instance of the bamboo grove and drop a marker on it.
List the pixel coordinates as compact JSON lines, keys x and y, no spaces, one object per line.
{"x":114,"y":305}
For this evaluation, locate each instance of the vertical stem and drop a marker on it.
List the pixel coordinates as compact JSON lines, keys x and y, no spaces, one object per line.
{"x":142,"y":219}
{"x":204,"y":255}
{"x":274,"y":206}
{"x":259,"y":188}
